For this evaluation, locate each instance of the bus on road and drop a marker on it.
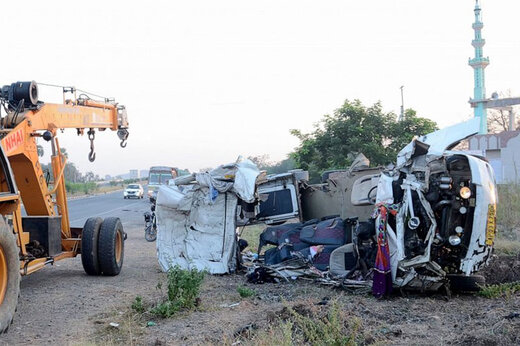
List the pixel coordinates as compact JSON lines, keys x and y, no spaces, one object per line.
{"x":160,"y":175}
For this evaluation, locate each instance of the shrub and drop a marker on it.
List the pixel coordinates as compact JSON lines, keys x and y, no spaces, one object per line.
{"x":183,"y":288}
{"x":137,"y":305}
{"x":245,"y":292}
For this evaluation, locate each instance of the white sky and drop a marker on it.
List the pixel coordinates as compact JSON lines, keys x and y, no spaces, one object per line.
{"x":206,"y":81}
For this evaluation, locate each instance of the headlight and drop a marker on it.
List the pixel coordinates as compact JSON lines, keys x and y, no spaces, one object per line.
{"x":465,"y":192}
{"x":454,"y":240}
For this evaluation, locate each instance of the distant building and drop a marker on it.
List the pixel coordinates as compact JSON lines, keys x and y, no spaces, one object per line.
{"x":134,"y":174}
{"x":503,"y":153}
{"x":143,"y":173}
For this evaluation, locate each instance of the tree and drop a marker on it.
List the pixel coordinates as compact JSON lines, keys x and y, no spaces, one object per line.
{"x":263,"y":163}
{"x":353,"y":129}
{"x":498,"y":119}
{"x":404,"y":130}
{"x":71,"y":173}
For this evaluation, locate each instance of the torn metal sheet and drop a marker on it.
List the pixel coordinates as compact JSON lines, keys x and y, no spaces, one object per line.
{"x":196,"y":218}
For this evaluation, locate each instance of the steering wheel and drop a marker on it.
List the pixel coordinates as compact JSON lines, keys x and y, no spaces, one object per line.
{"x":371,"y":196}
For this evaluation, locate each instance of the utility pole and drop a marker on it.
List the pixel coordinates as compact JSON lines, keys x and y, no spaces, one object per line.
{"x":401,"y":116}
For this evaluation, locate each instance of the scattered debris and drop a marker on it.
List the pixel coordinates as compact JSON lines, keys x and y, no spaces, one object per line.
{"x":229,"y":305}
{"x":513,"y":315}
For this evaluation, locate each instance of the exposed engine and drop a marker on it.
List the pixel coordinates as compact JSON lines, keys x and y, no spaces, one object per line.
{"x":441,"y":188}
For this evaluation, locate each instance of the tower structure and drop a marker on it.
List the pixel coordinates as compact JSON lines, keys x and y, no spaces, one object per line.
{"x":479,"y":63}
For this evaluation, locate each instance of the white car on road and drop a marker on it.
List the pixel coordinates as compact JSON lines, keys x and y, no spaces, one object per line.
{"x":133,"y":190}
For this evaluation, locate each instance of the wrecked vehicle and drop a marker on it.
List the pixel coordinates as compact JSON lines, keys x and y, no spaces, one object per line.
{"x":445,"y":221}
{"x":425,"y":223}
{"x":433,"y":219}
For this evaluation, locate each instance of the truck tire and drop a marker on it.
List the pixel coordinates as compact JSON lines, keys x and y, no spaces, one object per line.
{"x":9,"y":275}
{"x":111,"y":246}
{"x":463,"y":283}
{"x":89,"y":245}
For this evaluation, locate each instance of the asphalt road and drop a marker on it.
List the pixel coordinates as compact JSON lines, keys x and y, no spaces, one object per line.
{"x":106,"y":205}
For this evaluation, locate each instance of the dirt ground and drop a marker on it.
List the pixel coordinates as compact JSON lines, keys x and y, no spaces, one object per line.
{"x":62,"y":305}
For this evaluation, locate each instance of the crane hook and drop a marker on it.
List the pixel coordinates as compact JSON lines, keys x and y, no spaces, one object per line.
{"x":92,"y":156}
{"x":91,"y":136}
{"x":123,"y":136}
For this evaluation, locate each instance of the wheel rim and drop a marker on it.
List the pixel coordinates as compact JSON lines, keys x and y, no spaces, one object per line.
{"x":119,"y":246}
{"x":3,"y":275}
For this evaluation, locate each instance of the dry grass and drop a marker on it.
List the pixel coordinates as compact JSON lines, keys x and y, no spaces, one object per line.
{"x":508,"y":211}
{"x":310,"y":324}
{"x":252,"y":235}
{"x":130,"y":330}
{"x":508,"y":220}
{"x":506,"y":247}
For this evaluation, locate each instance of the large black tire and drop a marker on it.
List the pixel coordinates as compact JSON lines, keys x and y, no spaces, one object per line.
{"x":89,"y":246}
{"x":111,"y":247}
{"x":463,"y":283}
{"x":9,"y":275}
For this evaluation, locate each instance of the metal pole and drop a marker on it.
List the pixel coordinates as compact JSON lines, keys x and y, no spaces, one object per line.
{"x":401,"y":116}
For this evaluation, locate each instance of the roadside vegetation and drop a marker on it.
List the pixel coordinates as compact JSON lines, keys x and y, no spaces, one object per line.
{"x":245,"y":292}
{"x":81,"y":188}
{"x":505,"y":290}
{"x":352,"y":129}
{"x":508,"y":212}
{"x":508,"y":220}
{"x":182,"y":294}
{"x":338,"y":138}
{"x":301,"y":325}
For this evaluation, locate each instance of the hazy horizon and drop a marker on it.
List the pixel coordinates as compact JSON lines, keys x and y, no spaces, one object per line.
{"x":207,"y":81}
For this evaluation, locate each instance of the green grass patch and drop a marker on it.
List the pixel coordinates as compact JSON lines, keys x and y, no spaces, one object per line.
{"x":183,"y":288}
{"x":81,"y":188}
{"x":245,"y":292}
{"x":182,"y":293}
{"x":500,"y":290}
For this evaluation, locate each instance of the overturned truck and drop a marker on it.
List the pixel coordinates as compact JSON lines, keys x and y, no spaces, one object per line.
{"x":425,"y":223}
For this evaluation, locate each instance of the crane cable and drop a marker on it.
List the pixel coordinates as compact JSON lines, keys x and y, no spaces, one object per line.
{"x":74,"y":88}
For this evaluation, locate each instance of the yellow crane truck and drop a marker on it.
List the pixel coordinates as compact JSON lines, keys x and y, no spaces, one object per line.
{"x":44,"y":236}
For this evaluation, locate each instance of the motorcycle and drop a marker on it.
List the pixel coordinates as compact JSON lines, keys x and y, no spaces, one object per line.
{"x":150,"y":220}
